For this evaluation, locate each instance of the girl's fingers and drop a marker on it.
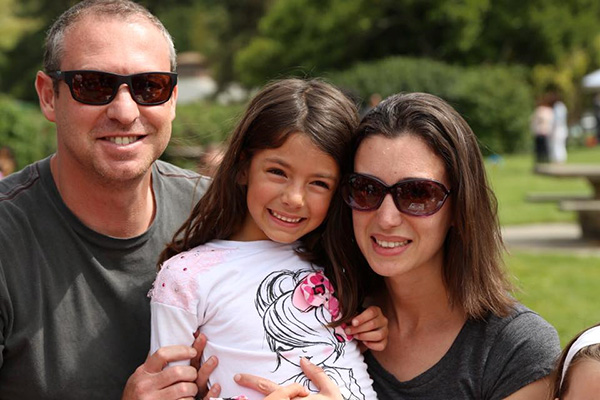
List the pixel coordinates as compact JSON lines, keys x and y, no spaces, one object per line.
{"x":257,"y":383}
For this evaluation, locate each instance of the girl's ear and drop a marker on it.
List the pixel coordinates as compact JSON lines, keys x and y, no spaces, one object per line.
{"x":243,"y":176}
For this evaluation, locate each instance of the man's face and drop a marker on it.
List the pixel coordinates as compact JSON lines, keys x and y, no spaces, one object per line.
{"x":117,"y":142}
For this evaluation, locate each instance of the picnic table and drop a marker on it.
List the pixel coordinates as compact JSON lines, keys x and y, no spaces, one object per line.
{"x":586,"y":206}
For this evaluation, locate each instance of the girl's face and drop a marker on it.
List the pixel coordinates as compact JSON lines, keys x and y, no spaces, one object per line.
{"x":289,"y":191}
{"x":584,"y":381}
{"x":393,"y":243}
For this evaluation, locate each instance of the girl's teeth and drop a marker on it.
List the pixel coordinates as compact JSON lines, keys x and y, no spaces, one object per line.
{"x":391,"y":245}
{"x":285,"y":219}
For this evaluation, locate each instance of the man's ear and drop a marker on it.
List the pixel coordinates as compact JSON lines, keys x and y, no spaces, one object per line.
{"x":46,"y":94}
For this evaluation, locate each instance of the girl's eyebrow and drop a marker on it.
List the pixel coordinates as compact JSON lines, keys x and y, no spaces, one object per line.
{"x":285,"y":164}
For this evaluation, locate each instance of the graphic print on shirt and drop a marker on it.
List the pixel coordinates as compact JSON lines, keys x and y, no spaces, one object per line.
{"x":296,"y":308}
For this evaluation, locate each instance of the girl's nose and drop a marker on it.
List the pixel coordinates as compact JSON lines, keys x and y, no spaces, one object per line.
{"x":293,"y":196}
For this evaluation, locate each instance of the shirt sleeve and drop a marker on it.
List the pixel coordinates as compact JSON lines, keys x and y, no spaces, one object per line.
{"x":524,"y":351}
{"x":173,"y":308}
{"x":170,"y":326}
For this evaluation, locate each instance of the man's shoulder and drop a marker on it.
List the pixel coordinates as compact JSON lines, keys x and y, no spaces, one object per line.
{"x":19,"y":182}
{"x":176,"y":180}
{"x":168,"y":171}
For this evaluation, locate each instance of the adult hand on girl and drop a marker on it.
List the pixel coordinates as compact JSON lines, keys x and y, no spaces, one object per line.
{"x":328,"y":389}
{"x":371,"y":328}
{"x":153,"y":379}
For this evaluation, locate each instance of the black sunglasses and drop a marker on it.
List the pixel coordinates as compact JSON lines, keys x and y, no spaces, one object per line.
{"x":415,"y":196}
{"x":99,"y":88}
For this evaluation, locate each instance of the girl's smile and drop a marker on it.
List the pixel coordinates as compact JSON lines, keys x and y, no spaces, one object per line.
{"x":289,"y":189}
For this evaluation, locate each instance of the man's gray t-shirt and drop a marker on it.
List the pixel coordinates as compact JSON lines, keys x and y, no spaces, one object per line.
{"x":74,"y":316}
{"x":489,"y":360}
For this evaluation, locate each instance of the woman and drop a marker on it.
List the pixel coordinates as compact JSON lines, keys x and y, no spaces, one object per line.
{"x":427,"y":238}
{"x":435,"y":254}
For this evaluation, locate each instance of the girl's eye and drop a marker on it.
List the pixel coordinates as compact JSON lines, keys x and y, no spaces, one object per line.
{"x":321,"y":184}
{"x":276,"y":171}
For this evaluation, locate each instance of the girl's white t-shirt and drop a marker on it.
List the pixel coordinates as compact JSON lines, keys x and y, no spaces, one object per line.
{"x":262,"y":308}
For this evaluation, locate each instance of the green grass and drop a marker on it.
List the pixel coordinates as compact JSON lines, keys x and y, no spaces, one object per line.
{"x":562,"y":288}
{"x":513,"y":178}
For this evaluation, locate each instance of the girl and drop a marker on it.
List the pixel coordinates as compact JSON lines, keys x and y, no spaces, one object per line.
{"x":577,"y":375}
{"x":261,"y":221}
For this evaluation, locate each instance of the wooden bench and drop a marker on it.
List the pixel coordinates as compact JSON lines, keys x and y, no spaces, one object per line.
{"x":556,"y":197}
{"x":588,"y":213}
{"x":580,"y":205}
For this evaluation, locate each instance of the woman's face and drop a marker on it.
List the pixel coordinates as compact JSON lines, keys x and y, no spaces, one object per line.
{"x":396,"y":244}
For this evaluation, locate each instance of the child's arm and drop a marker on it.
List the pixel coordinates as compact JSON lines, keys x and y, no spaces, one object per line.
{"x":371,"y":328}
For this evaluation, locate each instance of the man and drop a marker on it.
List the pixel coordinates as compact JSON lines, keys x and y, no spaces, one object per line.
{"x":80,"y":231}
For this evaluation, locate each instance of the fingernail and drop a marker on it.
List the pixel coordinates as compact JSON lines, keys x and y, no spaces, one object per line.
{"x":354,"y":322}
{"x":237,"y":377}
{"x":211,"y":361}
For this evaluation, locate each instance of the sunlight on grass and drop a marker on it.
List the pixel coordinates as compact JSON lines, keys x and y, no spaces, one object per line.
{"x":561,"y":288}
{"x":512,"y":178}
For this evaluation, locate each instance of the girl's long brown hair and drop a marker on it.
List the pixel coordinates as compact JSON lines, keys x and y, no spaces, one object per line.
{"x":283,"y":108}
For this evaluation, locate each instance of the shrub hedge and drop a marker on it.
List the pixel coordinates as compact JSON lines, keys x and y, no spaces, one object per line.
{"x":25,"y":130}
{"x":495,"y":100}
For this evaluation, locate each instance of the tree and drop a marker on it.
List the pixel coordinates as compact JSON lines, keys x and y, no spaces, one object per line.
{"x":333,"y":34}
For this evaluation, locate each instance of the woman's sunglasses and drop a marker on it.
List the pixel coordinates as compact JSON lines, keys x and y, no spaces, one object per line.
{"x":415,"y":196}
{"x":99,"y":88}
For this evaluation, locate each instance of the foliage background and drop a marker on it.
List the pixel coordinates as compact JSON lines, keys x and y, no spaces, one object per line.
{"x":490,"y":59}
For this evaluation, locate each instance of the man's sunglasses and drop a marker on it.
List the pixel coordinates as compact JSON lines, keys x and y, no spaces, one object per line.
{"x":415,"y":196}
{"x":99,"y":88}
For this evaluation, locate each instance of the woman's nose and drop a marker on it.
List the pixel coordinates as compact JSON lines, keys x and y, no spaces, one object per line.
{"x":388,"y":215}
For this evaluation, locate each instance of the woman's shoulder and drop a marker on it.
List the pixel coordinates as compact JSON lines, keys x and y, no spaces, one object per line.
{"x":519,"y":320}
{"x":521,"y":338}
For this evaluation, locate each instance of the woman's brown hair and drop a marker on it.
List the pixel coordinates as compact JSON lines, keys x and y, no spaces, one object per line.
{"x":473,"y":268}
{"x":309,"y":107}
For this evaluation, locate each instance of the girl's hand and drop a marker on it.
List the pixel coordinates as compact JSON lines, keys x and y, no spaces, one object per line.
{"x":328,"y":389}
{"x":371,"y":328}
{"x":204,"y":370}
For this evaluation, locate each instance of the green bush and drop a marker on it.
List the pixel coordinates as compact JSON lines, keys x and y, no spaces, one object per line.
{"x":495,"y":100}
{"x":203,"y":123}
{"x":26,"y":131}
{"x":199,"y":125}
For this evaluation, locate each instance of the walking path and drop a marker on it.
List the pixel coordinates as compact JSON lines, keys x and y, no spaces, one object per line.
{"x":555,"y":237}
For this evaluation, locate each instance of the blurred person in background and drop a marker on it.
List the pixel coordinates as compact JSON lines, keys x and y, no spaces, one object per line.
{"x":560,"y":131}
{"x":542,"y":122}
{"x":7,"y":161}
